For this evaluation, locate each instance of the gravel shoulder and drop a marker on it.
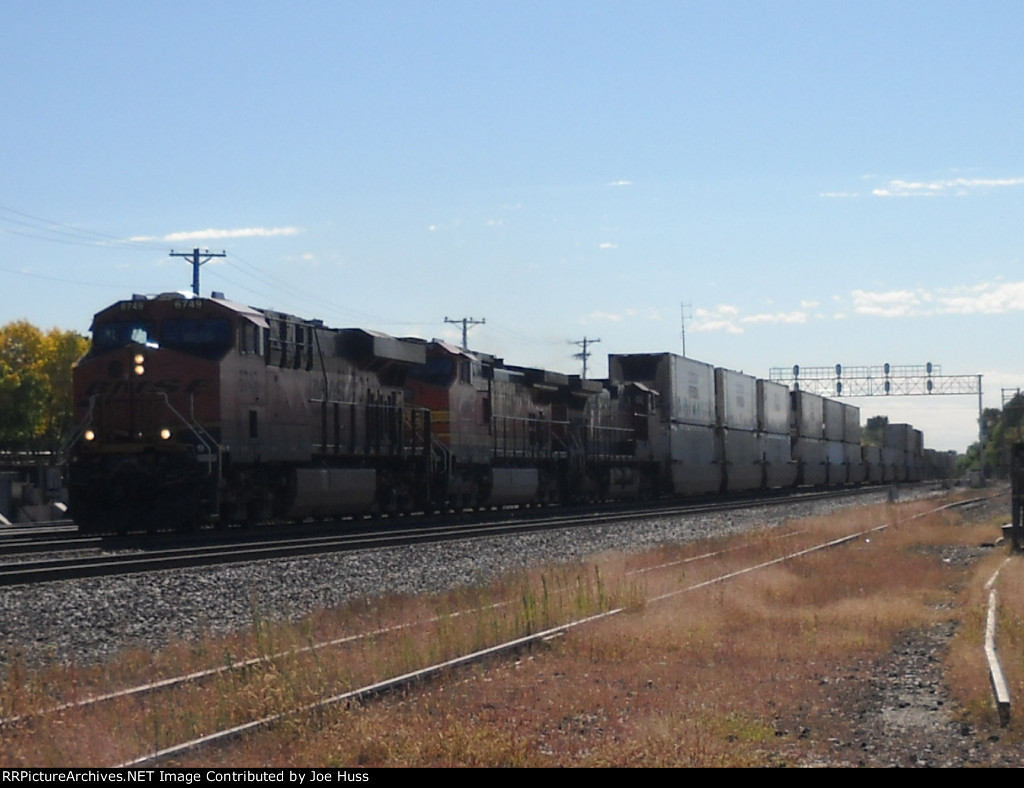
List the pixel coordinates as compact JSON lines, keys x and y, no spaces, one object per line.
{"x":898,"y":711}
{"x":90,"y":620}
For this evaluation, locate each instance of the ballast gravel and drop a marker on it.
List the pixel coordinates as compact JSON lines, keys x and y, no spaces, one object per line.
{"x":89,"y":620}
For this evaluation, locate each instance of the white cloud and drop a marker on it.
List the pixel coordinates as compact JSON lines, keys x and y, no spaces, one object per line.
{"x":621,"y":183}
{"x":992,"y":298}
{"x":987,"y":298}
{"x":212,"y":234}
{"x":721,"y":318}
{"x":777,"y":317}
{"x":646,"y":314}
{"x":959,"y":186}
{"x":895,"y":303}
{"x":608,"y":245}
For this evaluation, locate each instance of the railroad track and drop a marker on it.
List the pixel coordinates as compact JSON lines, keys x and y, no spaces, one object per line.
{"x":124,"y":556}
{"x":255,"y":665}
{"x":362,"y":693}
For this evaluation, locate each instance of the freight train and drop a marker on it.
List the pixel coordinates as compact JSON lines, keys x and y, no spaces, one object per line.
{"x":195,"y":411}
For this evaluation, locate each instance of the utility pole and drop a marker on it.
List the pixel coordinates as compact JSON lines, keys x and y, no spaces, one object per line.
{"x":584,"y":354}
{"x":682,"y":314}
{"x":466,"y":323}
{"x":196,"y":262}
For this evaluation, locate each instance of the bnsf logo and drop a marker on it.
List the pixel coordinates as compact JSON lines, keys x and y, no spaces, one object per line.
{"x":115,"y":387}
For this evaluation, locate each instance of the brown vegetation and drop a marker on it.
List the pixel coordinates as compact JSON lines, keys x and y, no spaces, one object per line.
{"x":745,"y":672}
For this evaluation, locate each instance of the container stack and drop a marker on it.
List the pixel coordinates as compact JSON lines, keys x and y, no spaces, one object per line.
{"x":774,"y":434}
{"x":736,"y":406}
{"x":898,"y":451}
{"x":687,"y":390}
{"x":835,"y":450}
{"x":855,"y":470}
{"x":806,"y":426}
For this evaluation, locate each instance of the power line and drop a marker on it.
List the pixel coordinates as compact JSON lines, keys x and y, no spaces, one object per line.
{"x":76,"y":236}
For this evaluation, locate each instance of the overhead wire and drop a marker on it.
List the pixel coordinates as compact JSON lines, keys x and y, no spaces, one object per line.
{"x":57,"y":232}
{"x":331,"y":306}
{"x":49,"y":230}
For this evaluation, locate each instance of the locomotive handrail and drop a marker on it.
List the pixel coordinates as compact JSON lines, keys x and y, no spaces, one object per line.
{"x":197,"y":429}
{"x":79,"y":431}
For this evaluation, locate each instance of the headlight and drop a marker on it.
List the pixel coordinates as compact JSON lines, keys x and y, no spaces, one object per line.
{"x":90,"y":435}
{"x":165,"y":434}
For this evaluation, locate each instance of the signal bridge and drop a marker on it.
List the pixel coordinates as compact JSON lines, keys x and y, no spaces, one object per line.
{"x":885,"y":380}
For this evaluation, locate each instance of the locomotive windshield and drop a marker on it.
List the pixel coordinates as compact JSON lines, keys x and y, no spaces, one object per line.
{"x":209,"y":338}
{"x":114,"y":335}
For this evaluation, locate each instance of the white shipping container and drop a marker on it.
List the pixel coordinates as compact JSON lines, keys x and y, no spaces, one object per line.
{"x":856,"y":473}
{"x":687,"y":387}
{"x":743,"y":464}
{"x":809,"y":453}
{"x":780,"y":469}
{"x":695,"y":469}
{"x":894,"y":463}
{"x":874,"y":470}
{"x":772,"y":407}
{"x":735,"y":400}
{"x":807,"y":414}
{"x":835,"y":421}
{"x":851,"y":432}
{"x":899,"y":436}
{"x":835,"y":457}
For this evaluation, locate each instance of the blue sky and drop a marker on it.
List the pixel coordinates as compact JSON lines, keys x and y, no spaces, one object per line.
{"x":818,"y":182}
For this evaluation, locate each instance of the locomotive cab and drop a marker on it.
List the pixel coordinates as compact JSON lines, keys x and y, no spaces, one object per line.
{"x":148,"y":445}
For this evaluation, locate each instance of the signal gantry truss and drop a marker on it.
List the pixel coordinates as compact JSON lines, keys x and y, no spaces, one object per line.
{"x":885,"y":380}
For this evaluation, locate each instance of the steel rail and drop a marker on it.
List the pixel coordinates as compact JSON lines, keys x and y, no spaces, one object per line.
{"x":378,"y":688}
{"x":55,"y":569}
{"x":199,"y":676}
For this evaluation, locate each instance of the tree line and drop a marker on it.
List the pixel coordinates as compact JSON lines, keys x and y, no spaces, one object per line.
{"x":36,"y":403}
{"x":1002,"y":429}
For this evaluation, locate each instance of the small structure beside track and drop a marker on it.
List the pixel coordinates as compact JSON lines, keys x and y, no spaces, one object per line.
{"x":32,"y":488}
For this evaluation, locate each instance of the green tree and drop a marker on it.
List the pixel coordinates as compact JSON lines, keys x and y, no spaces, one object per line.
{"x":35,"y":385}
{"x":1002,"y":429}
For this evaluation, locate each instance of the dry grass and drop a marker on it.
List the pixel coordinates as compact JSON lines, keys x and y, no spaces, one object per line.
{"x":738,"y":673}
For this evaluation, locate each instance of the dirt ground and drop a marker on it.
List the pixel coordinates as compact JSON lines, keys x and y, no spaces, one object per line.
{"x":898,"y":711}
